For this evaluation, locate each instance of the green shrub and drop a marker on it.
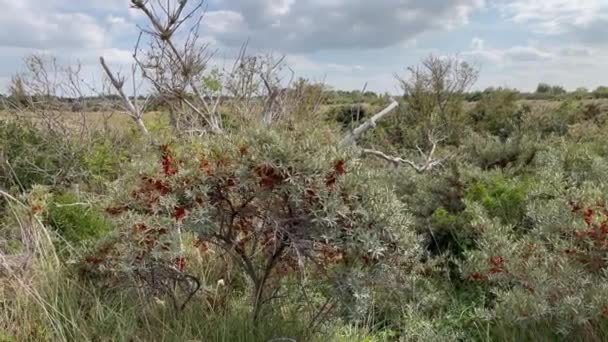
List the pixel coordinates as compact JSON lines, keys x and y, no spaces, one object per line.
{"x":280,"y":203}
{"x":450,"y":233}
{"x":556,"y":121}
{"x":437,"y":202}
{"x":28,"y":156}
{"x":31,"y":154}
{"x":548,"y":284}
{"x":503,"y":198}
{"x":499,"y":113}
{"x":104,"y":158}
{"x":74,"y":220}
{"x":583,"y":165}
{"x":601,"y":92}
{"x":491,"y":152}
{"x":348,"y":115}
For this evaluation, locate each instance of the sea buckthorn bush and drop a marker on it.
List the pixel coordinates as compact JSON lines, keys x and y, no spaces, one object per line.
{"x":283,"y":206}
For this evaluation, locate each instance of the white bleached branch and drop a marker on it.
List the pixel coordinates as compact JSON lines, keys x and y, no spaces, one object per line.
{"x":352,"y":137}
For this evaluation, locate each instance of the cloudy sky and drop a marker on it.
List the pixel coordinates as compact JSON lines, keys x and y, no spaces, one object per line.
{"x":517,"y":43}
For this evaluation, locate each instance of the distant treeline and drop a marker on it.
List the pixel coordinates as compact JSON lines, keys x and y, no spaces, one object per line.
{"x":544,"y":91}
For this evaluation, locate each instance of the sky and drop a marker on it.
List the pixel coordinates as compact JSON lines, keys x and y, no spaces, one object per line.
{"x":345,"y":43}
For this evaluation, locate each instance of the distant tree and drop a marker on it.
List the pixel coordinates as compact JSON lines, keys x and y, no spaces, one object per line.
{"x":434,"y":92}
{"x":581,"y":93}
{"x":558,"y":90}
{"x":17,"y":92}
{"x":601,"y":92}
{"x":474,"y":96}
{"x":543,"y":88}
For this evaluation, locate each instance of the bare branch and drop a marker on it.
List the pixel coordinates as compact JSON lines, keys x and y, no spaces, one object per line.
{"x":428,"y":165}
{"x":176,"y":71}
{"x":118,"y":83}
{"x":352,"y":137}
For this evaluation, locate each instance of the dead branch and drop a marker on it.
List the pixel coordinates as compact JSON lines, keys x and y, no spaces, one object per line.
{"x":352,"y":137}
{"x":429,"y":161}
{"x":172,"y":70}
{"x":133,"y":110}
{"x":428,"y":165}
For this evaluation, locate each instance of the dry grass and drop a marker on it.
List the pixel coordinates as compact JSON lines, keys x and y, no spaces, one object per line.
{"x":95,"y":121}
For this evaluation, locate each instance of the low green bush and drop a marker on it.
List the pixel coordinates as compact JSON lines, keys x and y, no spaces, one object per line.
{"x":28,"y":156}
{"x":348,"y":115}
{"x":557,"y":121}
{"x":503,"y":198}
{"x":491,"y":152}
{"x":498,"y":113}
{"x":76,"y":221}
{"x":103,"y":159}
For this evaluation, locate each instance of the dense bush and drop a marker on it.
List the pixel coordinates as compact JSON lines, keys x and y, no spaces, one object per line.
{"x":557,"y":121}
{"x":75,"y":220}
{"x":282,"y":204}
{"x":498,"y":113}
{"x":348,"y":116}
{"x":490,"y":152}
{"x":502,"y":198}
{"x":600,"y":92}
{"x":28,"y":157}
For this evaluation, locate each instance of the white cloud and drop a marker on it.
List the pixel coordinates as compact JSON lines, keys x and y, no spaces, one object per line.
{"x":555,"y":16}
{"x":25,"y":24}
{"x":532,"y":41}
{"x":524,"y":66}
{"x":218,"y":22}
{"x":72,"y":32}
{"x":304,"y":63}
{"x":511,"y":55}
{"x":313,"y":25}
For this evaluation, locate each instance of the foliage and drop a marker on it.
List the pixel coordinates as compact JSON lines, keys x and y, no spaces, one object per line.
{"x":502,"y":198}
{"x":74,"y":220}
{"x":349,"y":116}
{"x":490,"y":152}
{"x":498,"y":113}
{"x":280,"y":204}
{"x":104,"y":158}
{"x":600,"y":92}
{"x":29,"y":156}
{"x":434,"y":94}
{"x":558,"y":121}
{"x":544,"y":88}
